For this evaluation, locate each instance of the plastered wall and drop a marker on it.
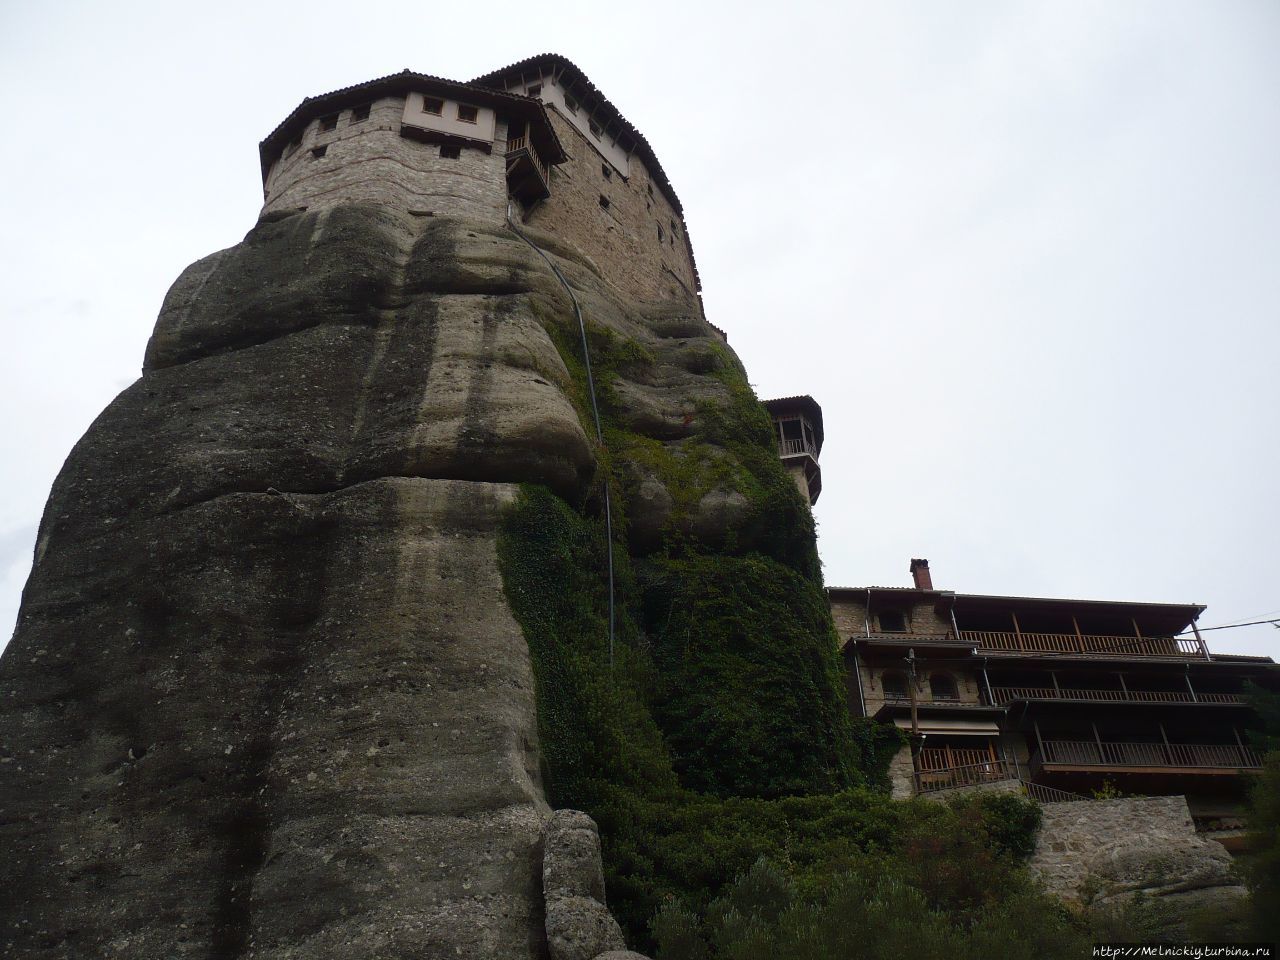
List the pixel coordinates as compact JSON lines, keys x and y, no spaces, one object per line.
{"x":370,"y":160}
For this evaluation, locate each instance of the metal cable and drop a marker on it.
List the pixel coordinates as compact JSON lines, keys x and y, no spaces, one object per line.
{"x":595,"y":413}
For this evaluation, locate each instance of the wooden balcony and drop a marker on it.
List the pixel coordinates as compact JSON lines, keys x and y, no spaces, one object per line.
{"x":968,"y":775}
{"x":797,"y":448}
{"x":1004,"y":695}
{"x":1082,"y":644}
{"x":1067,"y":755}
{"x":527,"y":176}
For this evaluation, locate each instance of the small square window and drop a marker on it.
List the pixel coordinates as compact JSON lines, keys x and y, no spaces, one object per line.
{"x":893,"y":621}
{"x":570,"y":103}
{"x":604,"y":202}
{"x":450,"y":151}
{"x":594,"y":128}
{"x":330,"y":122}
{"x":320,"y":151}
{"x":607,"y":171}
{"x":361,"y":112}
{"x":534,"y":89}
{"x":433,"y":105}
{"x":467,"y":114}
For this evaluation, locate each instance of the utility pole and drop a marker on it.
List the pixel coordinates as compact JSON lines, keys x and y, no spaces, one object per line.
{"x":911,"y":686}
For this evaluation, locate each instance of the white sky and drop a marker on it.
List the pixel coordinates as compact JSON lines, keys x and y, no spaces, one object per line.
{"x":1024,"y":254}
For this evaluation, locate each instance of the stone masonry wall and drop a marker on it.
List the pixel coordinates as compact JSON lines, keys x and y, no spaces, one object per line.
{"x":622,"y":239}
{"x":368,"y":160}
{"x":1107,"y":850}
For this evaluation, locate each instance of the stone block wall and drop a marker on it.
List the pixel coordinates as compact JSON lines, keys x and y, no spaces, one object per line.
{"x":622,"y":239}
{"x":1105,"y":850}
{"x":369,"y":160}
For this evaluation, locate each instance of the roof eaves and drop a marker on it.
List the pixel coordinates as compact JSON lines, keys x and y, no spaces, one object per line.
{"x":393,"y":82}
{"x":576,"y":75}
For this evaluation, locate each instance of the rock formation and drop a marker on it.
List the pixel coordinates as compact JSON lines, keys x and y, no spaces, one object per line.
{"x":267,"y":696}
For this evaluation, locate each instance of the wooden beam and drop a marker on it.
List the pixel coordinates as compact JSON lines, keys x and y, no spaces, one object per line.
{"x":1204,"y":650}
{"x":1079,"y":636}
{"x":1017,"y":630}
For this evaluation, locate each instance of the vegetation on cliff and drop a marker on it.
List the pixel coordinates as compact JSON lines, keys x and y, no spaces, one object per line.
{"x":713,"y":744}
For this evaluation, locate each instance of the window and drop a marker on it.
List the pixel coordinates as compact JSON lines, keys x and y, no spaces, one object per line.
{"x":450,"y":151}
{"x":606,"y":171}
{"x":433,"y":105}
{"x":893,"y":621}
{"x":649,"y":187}
{"x":674,"y":232}
{"x":943,"y":686}
{"x":319,"y":151}
{"x":329,"y":123}
{"x":659,"y":233}
{"x":534,"y":89}
{"x":467,"y":114}
{"x":361,"y":112}
{"x":895,"y":685}
{"x":604,"y":202}
{"x":570,"y":104}
{"x":594,"y":128}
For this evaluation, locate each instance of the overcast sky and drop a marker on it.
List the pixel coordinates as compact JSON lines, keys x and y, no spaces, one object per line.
{"x":1023,"y":254}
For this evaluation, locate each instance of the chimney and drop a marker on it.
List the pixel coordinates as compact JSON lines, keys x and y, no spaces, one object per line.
{"x":920,"y":574}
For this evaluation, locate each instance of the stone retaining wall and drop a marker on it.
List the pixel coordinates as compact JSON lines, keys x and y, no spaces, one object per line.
{"x":1108,"y":851}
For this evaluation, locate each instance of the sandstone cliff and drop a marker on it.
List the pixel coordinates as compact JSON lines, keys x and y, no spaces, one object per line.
{"x":266,"y":697}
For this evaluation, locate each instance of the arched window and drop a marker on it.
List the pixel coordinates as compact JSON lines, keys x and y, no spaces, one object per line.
{"x":943,"y":686}
{"x":895,"y":685}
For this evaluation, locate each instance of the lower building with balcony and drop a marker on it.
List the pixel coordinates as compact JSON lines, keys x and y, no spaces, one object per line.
{"x":1070,"y":697}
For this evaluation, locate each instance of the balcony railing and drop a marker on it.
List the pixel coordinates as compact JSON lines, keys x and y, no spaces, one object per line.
{"x":1083,"y":644}
{"x":1090,"y":753}
{"x":519,"y":148}
{"x":969,"y":775}
{"x":795,"y":448}
{"x":1003,"y":695}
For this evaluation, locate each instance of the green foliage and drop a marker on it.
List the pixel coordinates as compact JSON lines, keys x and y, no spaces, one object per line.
{"x":718,"y":734}
{"x":886,"y":905}
{"x":1108,"y":791}
{"x":875,"y":745}
{"x":1009,"y":821}
{"x":750,"y":690}
{"x":604,"y":752}
{"x":1266,"y":704}
{"x":1262,"y":869}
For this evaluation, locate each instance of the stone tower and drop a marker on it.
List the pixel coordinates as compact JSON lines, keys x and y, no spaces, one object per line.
{"x":266,"y":696}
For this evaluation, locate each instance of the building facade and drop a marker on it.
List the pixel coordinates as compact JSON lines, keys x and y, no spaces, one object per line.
{"x":1069,"y":696}
{"x":536,"y":136}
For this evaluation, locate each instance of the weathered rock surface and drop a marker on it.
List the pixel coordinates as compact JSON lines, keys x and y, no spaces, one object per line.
{"x":1108,"y":852}
{"x":266,"y":697}
{"x":579,"y":926}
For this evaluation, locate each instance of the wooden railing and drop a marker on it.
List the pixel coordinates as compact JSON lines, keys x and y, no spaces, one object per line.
{"x":517,"y":144}
{"x":943,"y":758}
{"x":1090,"y":753}
{"x":969,"y":775}
{"x":1003,"y":695}
{"x":791,"y":448}
{"x":1087,"y":643}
